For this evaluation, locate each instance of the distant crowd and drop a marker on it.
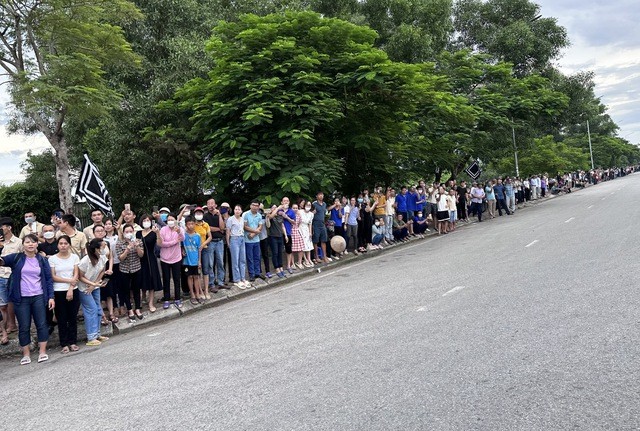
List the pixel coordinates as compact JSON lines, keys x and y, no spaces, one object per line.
{"x":109,"y":269}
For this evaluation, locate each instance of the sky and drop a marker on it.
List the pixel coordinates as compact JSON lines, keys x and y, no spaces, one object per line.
{"x":605,"y":39}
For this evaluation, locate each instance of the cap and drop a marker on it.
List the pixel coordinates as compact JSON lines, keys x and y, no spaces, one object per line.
{"x":225,"y":204}
{"x":198,"y":209}
{"x":164,"y":210}
{"x":183,"y":205}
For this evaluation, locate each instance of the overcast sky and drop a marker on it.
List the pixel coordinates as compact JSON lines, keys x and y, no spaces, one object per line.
{"x":605,"y":38}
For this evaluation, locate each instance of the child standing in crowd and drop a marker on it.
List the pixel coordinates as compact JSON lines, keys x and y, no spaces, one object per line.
{"x":192,"y":263}
{"x":452,"y":206}
{"x":443,"y":210}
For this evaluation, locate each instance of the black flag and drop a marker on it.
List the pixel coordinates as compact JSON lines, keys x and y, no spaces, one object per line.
{"x":474,"y":170}
{"x":91,"y":187}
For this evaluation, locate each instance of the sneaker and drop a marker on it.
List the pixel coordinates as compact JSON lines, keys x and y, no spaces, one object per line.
{"x":281,"y":275}
{"x":269,"y":275}
{"x":93,"y":343}
{"x":247,"y":284}
{"x":178,"y":303}
{"x":290,"y":270}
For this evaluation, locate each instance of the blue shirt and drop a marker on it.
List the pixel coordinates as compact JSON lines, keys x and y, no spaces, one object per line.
{"x":287,"y":224}
{"x":420,"y":205}
{"x":401,"y":203}
{"x":191,"y":246}
{"x":336,"y":216}
{"x":412,"y":198}
{"x":321,"y":210}
{"x":508,"y":188}
{"x":354,"y":213}
{"x":253,"y":221}
{"x":488,"y":191}
{"x":498,"y":189}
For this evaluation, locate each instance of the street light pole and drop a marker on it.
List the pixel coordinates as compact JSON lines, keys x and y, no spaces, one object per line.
{"x":590,"y":149}
{"x":515,"y":151}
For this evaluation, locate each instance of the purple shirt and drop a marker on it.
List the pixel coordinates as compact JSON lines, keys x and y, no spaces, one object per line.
{"x":31,"y":284}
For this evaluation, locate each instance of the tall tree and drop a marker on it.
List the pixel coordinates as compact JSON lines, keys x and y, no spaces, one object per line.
{"x":55,"y":54}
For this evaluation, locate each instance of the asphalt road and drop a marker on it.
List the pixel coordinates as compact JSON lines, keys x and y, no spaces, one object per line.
{"x":527,"y":322}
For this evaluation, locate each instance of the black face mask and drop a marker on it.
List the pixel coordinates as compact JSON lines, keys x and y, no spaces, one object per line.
{"x":223,"y":210}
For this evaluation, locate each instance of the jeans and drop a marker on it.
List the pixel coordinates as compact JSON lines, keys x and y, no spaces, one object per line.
{"x":31,"y":306}
{"x":253,"y":258}
{"x":171,"y":270}
{"x":67,"y":315}
{"x":377,"y":239}
{"x":238,"y":258}
{"x":217,"y":262}
{"x":511,"y":203}
{"x":388,"y":227}
{"x":92,"y":313}
{"x":277,"y":248}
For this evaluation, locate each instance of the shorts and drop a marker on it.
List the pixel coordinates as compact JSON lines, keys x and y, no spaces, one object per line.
{"x":453,"y":216}
{"x":443,"y":215}
{"x":191,"y":270}
{"x":320,"y":233}
{"x":4,"y":291}
{"x":287,"y":244}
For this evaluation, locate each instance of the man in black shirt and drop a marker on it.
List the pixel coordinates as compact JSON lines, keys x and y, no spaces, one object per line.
{"x":462,"y":201}
{"x":216,"y":266}
{"x":49,"y":246}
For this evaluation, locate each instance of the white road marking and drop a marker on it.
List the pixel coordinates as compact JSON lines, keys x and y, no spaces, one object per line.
{"x":531,"y":243}
{"x":421,"y":309}
{"x":454,"y":290}
{"x":603,"y":198}
{"x":612,"y":193}
{"x":572,"y":218}
{"x":155,"y":334}
{"x":589,"y":207}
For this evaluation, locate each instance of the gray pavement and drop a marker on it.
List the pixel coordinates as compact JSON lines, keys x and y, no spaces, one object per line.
{"x":524,"y":322}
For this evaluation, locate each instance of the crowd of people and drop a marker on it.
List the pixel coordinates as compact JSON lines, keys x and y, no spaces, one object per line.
{"x":55,"y":274}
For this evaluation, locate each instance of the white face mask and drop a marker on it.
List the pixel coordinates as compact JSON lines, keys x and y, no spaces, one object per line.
{"x":377,"y":223}
{"x":186,"y":213}
{"x":307,"y":208}
{"x":29,"y":220}
{"x":171,"y":223}
{"x":129,"y":236}
{"x":199,"y":217}
{"x":48,"y":235}
{"x":146,"y":224}
{"x":420,"y":215}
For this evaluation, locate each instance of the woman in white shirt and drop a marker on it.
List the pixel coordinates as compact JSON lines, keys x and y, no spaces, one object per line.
{"x":64,"y":271}
{"x":92,"y":268}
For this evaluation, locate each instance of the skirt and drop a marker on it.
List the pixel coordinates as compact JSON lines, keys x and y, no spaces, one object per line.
{"x":443,"y":215}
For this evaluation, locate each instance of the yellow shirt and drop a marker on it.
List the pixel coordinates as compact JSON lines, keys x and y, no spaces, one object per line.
{"x":30,"y":229}
{"x":202,"y":228}
{"x":380,"y":209}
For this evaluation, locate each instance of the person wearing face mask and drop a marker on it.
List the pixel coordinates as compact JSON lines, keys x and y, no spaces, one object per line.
{"x":90,"y":273}
{"x":171,"y":236}
{"x":129,"y":251}
{"x":111,"y":238}
{"x":161,"y":217}
{"x":377,"y":233}
{"x":305,"y":228}
{"x":420,"y":224}
{"x":49,"y":246}
{"x":149,"y":273}
{"x":32,"y":225}
{"x":204,"y":230}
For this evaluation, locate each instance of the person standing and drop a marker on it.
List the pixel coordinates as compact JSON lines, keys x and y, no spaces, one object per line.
{"x":477,"y":196}
{"x":214,"y":267}
{"x":97,"y":219}
{"x":461,"y":205}
{"x":65,"y":274}
{"x":491,"y":198}
{"x":252,"y":226}
{"x":320,"y":235}
{"x":204,"y":230}
{"x":172,"y":237}
{"x":31,"y":292}
{"x":10,"y":244}
{"x":78,"y":239}
{"x":32,"y":225}
{"x":510,"y":195}
{"x":501,"y":203}
{"x":390,"y":211}
{"x":352,"y":226}
{"x":235,"y":231}
{"x":129,"y":251}
{"x":191,"y":263}
{"x":150,"y":274}
{"x":276,"y":232}
{"x":91,"y":270}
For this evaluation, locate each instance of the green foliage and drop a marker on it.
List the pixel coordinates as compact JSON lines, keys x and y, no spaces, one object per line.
{"x":297,"y":102}
{"x":547,"y":156}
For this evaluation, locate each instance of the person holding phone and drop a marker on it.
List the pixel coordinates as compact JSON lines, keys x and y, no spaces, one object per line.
{"x":91,"y":269}
{"x":31,"y":292}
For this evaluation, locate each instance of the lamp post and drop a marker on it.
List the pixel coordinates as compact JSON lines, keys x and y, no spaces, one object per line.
{"x":590,"y":149}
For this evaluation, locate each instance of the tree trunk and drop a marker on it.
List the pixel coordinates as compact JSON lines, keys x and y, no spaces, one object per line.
{"x":61,"y":156}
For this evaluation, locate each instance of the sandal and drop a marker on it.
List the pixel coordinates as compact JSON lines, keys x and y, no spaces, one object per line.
{"x":43,"y":357}
{"x":132,"y":318}
{"x":113,"y":319}
{"x":139,"y":316}
{"x":25,"y":360}
{"x":74,"y":348}
{"x":104,"y":321}
{"x":5,"y":340}
{"x":194,"y":301}
{"x":65,"y":350}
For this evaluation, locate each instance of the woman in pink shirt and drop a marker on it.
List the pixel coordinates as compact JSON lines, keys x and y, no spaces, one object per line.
{"x":171,"y":260}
